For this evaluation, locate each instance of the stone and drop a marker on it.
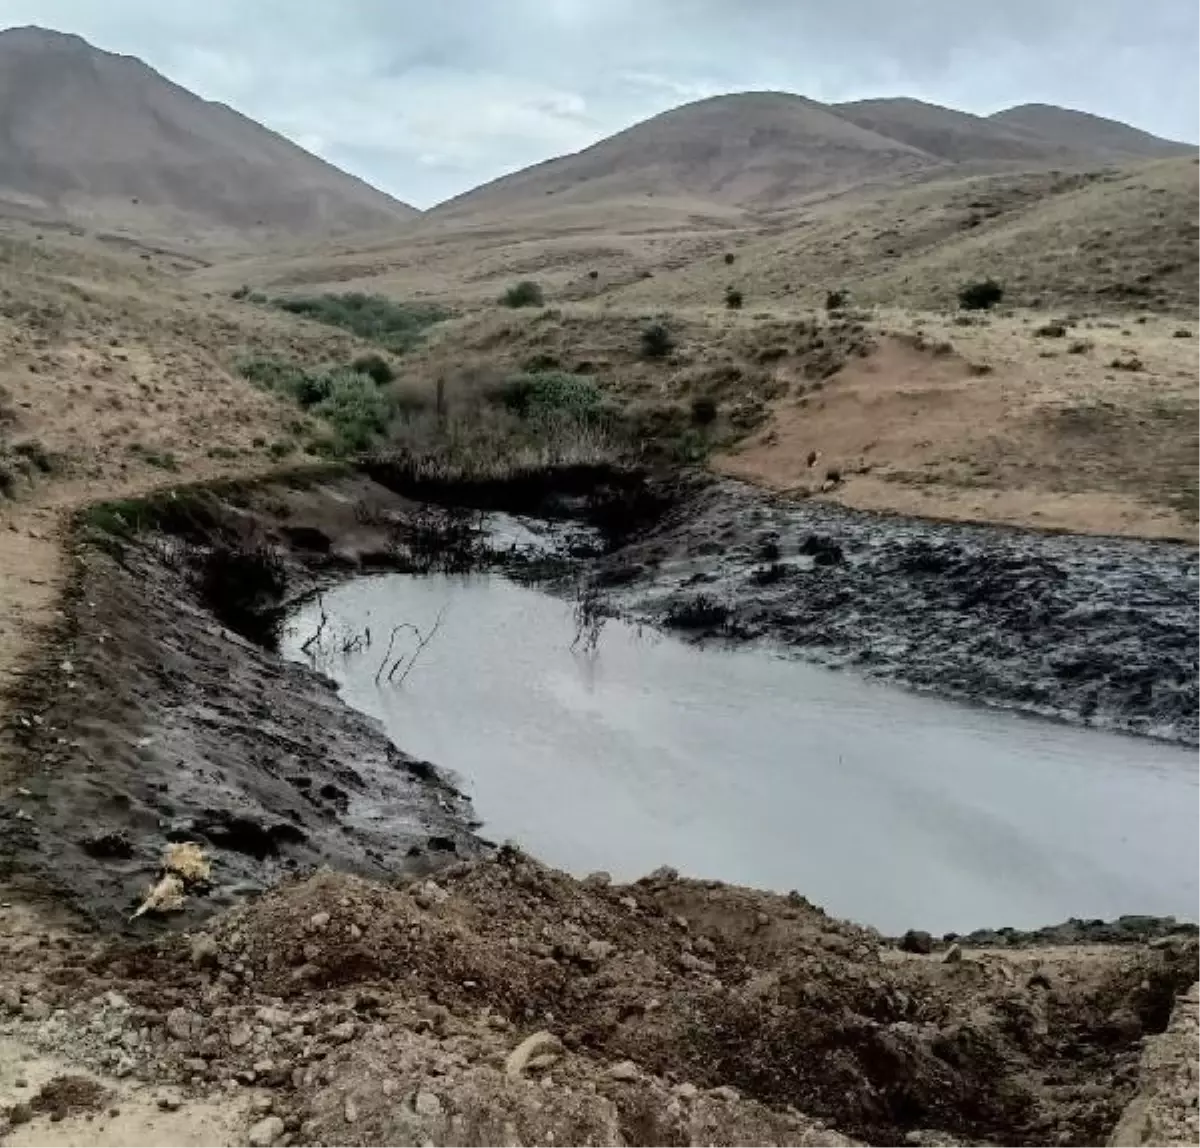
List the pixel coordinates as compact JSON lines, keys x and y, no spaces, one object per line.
{"x":598,"y":951}
{"x":170,"y":1101}
{"x":953,"y":954}
{"x":273,"y":1018}
{"x":182,"y":1023}
{"x":319,"y":920}
{"x":430,"y":893}
{"x":20,"y":1113}
{"x":265,"y":1133}
{"x":427,"y":1104}
{"x":664,"y":873}
{"x":204,"y":950}
{"x":533,"y":1052}
{"x":916,"y":941}
{"x":686,"y":1091}
{"x":35,"y":1009}
{"x":600,"y":879}
{"x":240,"y":1036}
{"x":342,"y":1032}
{"x":350,"y":1110}
{"x":724,"y":1092}
{"x":624,"y":1070}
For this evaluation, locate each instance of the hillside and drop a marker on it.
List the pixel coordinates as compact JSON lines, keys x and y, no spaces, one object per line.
{"x":105,"y":141}
{"x":954,"y":136}
{"x":1082,"y":131}
{"x":753,"y":149}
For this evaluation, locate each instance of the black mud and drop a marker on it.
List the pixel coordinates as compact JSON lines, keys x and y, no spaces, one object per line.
{"x":1091,"y":630}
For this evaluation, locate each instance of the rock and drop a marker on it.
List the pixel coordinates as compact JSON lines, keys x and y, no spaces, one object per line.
{"x":427,"y":1104}
{"x":624,"y":1070}
{"x":598,"y":951}
{"x":204,"y":950}
{"x":664,"y":873}
{"x":953,"y":954}
{"x":182,"y":1023}
{"x":686,"y":1091}
{"x":704,"y":946}
{"x":273,"y":1018}
{"x":724,"y":1092}
{"x":240,"y":1036}
{"x":20,"y":1114}
{"x":265,"y":1132}
{"x":544,"y":1046}
{"x":601,"y":879}
{"x":170,"y":1101}
{"x":916,"y":941}
{"x":342,"y":1032}
{"x":262,"y":1104}
{"x":35,"y":1009}
{"x":319,"y":920}
{"x":10,"y":997}
{"x":430,"y":893}
{"x":350,"y":1110}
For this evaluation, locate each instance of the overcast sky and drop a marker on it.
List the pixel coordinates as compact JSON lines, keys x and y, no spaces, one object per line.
{"x":427,"y":98}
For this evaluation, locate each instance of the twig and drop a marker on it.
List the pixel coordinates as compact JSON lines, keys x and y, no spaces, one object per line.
{"x":316,"y":636}
{"x":422,"y":642}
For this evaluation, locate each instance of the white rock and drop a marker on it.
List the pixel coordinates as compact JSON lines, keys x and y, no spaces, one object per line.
{"x":624,"y":1070}
{"x":427,"y":1104}
{"x":265,"y":1132}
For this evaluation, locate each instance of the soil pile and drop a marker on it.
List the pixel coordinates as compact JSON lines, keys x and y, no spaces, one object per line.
{"x":506,"y":1002}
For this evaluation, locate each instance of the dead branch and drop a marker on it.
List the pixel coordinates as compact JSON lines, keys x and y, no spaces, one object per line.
{"x":316,"y":635}
{"x":422,"y":642}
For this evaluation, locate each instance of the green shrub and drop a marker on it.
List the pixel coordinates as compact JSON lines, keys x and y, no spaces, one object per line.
{"x":657,"y":342}
{"x":376,"y":366}
{"x":836,"y":300}
{"x":542,"y":395}
{"x":396,"y":326}
{"x":733,"y":298}
{"x":981,"y":296}
{"x":527,"y":293}
{"x":356,"y":409}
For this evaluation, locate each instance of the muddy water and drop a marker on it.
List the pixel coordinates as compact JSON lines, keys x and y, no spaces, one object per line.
{"x":890,"y":808}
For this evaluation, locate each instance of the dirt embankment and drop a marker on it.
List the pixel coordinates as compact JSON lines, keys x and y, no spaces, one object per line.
{"x":507,"y":1003}
{"x":152,"y":720}
{"x":1092,"y":630}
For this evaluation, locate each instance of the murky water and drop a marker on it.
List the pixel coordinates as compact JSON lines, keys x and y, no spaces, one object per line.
{"x":887,"y":807}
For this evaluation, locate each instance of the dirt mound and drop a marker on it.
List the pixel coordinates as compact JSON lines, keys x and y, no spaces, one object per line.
{"x":724,"y":987}
{"x":103,"y":139}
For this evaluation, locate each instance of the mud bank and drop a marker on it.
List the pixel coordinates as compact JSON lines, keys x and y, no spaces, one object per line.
{"x":152,"y":720}
{"x":1089,"y":630}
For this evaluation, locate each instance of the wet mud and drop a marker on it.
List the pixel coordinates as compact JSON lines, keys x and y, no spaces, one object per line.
{"x":1090,"y":630}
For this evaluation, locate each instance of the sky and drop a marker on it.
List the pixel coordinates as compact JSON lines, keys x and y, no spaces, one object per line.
{"x":428,"y":98}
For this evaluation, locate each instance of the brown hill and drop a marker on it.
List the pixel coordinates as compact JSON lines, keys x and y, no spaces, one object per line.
{"x":1105,"y":139}
{"x":752,"y":149}
{"x":958,"y":137}
{"x":104,"y":140}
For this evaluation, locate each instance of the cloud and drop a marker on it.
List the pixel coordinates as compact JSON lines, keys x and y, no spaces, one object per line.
{"x":427,"y":100}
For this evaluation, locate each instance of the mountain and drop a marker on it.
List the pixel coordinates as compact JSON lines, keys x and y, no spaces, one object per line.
{"x":753,"y":149}
{"x":103,"y":140}
{"x":954,"y":136}
{"x":1103,"y":139}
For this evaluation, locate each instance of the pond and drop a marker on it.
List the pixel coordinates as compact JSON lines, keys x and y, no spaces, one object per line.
{"x":889,"y":807}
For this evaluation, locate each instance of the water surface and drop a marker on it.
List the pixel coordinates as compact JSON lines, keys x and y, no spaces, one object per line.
{"x":888,"y":807}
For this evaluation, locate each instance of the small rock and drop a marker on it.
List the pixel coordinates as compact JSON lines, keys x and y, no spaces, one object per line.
{"x":629,"y":903}
{"x":170,"y":1101}
{"x":724,"y":1092}
{"x":274,"y":1018}
{"x":350,"y":1110}
{"x":953,"y":954}
{"x":355,"y":932}
{"x":624,"y":1070}
{"x":599,"y":950}
{"x":704,"y":946}
{"x":262,"y":1104}
{"x":534,"y":1051}
{"x":265,"y":1132}
{"x":240,"y":1036}
{"x":35,"y":1009}
{"x":342,"y":1032}
{"x":182,"y":1023}
{"x":427,"y":1104}
{"x":20,"y":1114}
{"x":916,"y":941}
{"x":430,"y":893}
{"x":204,"y":950}
{"x":319,"y":920}
{"x":686,"y":1091}
{"x":10,"y":997}
{"x":601,"y":879}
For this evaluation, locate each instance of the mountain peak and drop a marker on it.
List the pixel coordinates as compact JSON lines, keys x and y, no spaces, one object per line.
{"x":104,"y":140}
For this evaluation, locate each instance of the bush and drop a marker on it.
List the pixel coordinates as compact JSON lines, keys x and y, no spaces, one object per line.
{"x":704,"y":410}
{"x":527,"y":293}
{"x":376,"y":366}
{"x":980,"y":296}
{"x":240,"y":293}
{"x":1051,"y":331}
{"x":657,"y":342}
{"x":356,"y":409}
{"x":729,"y":257}
{"x":593,"y":274}
{"x":733,"y":298}
{"x":835,"y":300}
{"x":543,"y":395}
{"x":396,"y":326}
